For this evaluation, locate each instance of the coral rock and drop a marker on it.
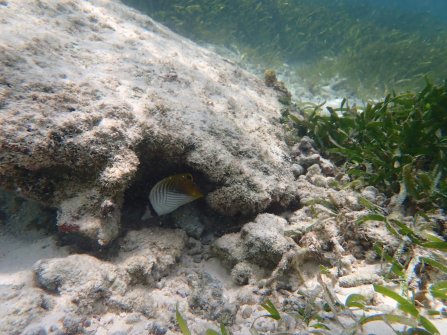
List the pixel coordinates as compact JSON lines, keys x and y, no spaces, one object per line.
{"x":19,"y":307}
{"x":149,"y":254}
{"x":264,"y":240}
{"x":261,"y":242}
{"x":125,"y":99}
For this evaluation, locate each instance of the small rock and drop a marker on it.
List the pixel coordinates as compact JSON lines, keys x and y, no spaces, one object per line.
{"x":148,"y":255}
{"x":344,"y":179}
{"x":84,"y":278}
{"x":381,"y":199}
{"x":157,"y":329}
{"x":352,"y":202}
{"x":306,"y":144}
{"x":75,"y":212}
{"x":73,"y":324}
{"x":140,"y":269}
{"x":297,"y":170}
{"x":187,"y":218}
{"x":241,"y":273}
{"x":313,"y":170}
{"x":307,"y":161}
{"x":194,"y":246}
{"x":288,"y":323}
{"x":182,"y":292}
{"x":294,"y":303}
{"x":270,"y":77}
{"x":327,"y":167}
{"x":299,"y":223}
{"x":75,"y":272}
{"x":138,"y":300}
{"x":370,"y":193}
{"x":261,"y":242}
{"x":264,"y":241}
{"x":133,"y":318}
{"x":246,"y":312}
{"x":246,"y":297}
{"x":160,"y":285}
{"x":208,"y":301}
{"x":358,"y":279}
{"x":319,"y":180}
{"x":20,"y":307}
{"x":229,"y":249}
{"x":197,"y":258}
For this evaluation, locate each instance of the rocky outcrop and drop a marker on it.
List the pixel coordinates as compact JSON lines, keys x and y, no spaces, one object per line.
{"x":273,"y":250}
{"x":21,"y":306}
{"x":149,"y":274}
{"x":260,"y":242}
{"x":96,"y":97}
{"x":207,"y":300}
{"x":145,"y":257}
{"x":71,"y":290}
{"x":150,"y":254}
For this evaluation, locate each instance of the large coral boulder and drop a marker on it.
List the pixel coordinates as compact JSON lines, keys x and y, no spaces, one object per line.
{"x":95,"y":97}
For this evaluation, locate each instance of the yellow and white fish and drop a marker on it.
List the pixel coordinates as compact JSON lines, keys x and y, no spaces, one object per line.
{"x":172,"y":192}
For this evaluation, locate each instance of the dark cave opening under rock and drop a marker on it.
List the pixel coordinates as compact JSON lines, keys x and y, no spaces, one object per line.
{"x":196,"y":218}
{"x":159,"y":160}
{"x":277,"y":209}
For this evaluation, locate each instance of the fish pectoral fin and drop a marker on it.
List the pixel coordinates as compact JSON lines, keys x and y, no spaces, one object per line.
{"x":147,"y":215}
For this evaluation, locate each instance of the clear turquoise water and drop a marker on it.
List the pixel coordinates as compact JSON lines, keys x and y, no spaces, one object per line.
{"x":375,"y":46}
{"x":436,"y":8}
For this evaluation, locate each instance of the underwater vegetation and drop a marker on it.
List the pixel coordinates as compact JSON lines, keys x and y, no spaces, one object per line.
{"x":374,"y":47}
{"x":397,"y":144}
{"x":314,"y":313}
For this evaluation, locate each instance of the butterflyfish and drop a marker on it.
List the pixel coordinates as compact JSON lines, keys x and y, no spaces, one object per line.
{"x":172,"y":192}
